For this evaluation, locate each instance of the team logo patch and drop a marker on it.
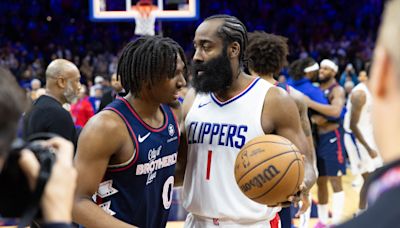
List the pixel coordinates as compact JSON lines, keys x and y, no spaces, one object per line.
{"x":171,"y":130}
{"x":106,"y":189}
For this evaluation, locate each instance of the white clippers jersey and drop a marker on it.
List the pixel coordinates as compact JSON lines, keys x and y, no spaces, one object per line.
{"x":365,"y":121}
{"x":216,"y":131}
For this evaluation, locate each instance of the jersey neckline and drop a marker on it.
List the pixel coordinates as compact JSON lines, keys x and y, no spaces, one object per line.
{"x":223,"y":103}
{"x":148,"y":127}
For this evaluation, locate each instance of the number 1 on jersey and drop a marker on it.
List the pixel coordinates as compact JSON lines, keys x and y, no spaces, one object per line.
{"x":209,"y":165}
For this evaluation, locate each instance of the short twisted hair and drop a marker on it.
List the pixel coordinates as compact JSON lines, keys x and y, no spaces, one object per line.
{"x":266,"y":53}
{"x":148,"y":59}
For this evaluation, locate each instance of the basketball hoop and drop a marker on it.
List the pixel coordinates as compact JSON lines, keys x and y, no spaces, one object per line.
{"x":145,"y":22}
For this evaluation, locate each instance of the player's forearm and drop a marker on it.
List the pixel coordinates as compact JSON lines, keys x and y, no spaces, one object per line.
{"x":313,"y":155}
{"x":179,"y":174}
{"x":90,"y":215}
{"x":310,"y":175}
{"x":181,"y":162}
{"x":307,"y":149}
{"x":328,"y":110}
{"x":357,"y":133}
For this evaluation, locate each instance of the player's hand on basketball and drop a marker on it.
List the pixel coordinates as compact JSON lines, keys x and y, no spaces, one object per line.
{"x":58,"y":194}
{"x":296,"y":198}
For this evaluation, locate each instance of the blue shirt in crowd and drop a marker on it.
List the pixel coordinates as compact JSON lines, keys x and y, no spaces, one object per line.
{"x":305,"y":86}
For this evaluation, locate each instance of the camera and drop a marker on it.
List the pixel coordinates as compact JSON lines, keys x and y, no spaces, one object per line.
{"x":16,"y":198}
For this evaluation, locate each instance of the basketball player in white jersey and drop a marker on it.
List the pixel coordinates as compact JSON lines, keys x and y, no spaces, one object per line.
{"x":384,"y":184}
{"x":358,"y":138}
{"x":226,"y":109}
{"x":267,"y":55}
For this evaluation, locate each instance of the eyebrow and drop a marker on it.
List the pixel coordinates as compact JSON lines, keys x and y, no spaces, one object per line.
{"x":203,"y":41}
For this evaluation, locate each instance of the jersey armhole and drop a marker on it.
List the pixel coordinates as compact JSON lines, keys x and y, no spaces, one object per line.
{"x":125,"y":165}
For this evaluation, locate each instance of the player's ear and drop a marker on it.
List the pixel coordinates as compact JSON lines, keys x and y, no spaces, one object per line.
{"x":61,"y":81}
{"x":234,"y":50}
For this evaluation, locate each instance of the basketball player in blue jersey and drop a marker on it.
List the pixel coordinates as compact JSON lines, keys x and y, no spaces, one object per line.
{"x":330,"y":146}
{"x":226,"y":109}
{"x":127,"y":153}
{"x":267,"y":54}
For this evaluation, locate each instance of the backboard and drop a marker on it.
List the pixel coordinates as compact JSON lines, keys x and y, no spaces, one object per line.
{"x":124,"y":10}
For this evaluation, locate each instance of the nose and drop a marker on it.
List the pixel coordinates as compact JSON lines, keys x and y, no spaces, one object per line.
{"x":181,"y":81}
{"x":198,"y":57}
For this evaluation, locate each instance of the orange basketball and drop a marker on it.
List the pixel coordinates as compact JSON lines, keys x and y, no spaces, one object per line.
{"x":269,"y":169}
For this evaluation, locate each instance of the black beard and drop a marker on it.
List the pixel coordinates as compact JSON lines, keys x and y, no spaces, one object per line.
{"x":217,"y":74}
{"x":322,"y":81}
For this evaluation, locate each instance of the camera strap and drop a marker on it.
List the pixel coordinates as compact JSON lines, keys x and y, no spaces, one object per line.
{"x":32,"y":209}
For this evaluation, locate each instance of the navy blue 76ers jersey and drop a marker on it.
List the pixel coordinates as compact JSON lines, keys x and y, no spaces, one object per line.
{"x":139,"y":192}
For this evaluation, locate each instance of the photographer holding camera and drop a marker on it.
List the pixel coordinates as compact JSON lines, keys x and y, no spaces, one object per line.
{"x":56,"y":200}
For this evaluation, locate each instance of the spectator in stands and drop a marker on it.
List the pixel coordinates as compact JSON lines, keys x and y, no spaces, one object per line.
{"x":348,"y":75}
{"x":82,"y":110}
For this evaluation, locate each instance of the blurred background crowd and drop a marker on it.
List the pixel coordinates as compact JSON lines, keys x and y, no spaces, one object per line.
{"x":32,"y":33}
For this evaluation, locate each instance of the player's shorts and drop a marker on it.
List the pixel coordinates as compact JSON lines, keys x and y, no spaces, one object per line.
{"x":286,"y":217}
{"x":331,"y":160}
{"x":194,"y":221}
{"x":360,"y":161}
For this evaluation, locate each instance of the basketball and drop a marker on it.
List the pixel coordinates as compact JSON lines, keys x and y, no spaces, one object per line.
{"x":269,"y":169}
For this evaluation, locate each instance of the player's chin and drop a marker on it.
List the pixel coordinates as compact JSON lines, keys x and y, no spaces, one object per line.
{"x":174,"y":103}
{"x":173,"y":99}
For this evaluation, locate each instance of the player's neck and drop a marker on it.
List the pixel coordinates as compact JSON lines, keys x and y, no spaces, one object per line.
{"x":239,"y":84}
{"x":269,"y":78}
{"x":54,"y":95}
{"x":329,"y":83}
{"x":147,"y":110}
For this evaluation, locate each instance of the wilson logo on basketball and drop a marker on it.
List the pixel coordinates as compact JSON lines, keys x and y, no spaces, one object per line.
{"x":268,"y":174}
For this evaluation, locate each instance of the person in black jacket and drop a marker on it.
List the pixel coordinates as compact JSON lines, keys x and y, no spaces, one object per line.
{"x":47,"y":113}
{"x":383,"y":186}
{"x":117,"y":90}
{"x":57,"y":198}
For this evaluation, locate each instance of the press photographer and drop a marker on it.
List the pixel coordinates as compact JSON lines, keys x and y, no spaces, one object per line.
{"x":56,"y":199}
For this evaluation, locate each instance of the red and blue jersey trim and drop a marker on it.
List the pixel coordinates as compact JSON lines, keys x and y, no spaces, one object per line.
{"x":148,"y":127}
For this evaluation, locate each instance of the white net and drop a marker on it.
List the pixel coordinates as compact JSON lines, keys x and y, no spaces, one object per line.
{"x":145,"y":25}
